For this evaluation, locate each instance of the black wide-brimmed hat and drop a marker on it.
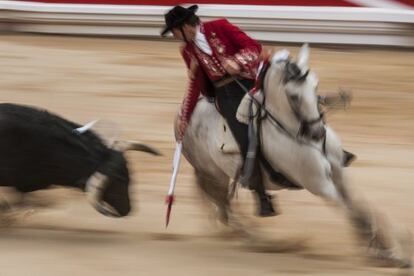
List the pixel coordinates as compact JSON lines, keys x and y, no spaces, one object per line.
{"x":177,"y":16}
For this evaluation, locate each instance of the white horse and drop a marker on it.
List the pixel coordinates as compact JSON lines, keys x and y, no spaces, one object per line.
{"x":296,"y":142}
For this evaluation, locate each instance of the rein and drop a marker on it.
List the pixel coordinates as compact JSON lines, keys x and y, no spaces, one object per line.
{"x":267,"y":114}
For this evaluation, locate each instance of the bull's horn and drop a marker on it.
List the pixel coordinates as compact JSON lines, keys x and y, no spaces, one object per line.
{"x":133,"y":145}
{"x":85,"y":128}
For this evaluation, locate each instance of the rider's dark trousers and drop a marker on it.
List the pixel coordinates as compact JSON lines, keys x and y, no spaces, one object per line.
{"x":228,"y":98}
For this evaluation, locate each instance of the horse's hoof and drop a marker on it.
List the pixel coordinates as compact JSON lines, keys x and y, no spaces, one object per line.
{"x":386,"y":258}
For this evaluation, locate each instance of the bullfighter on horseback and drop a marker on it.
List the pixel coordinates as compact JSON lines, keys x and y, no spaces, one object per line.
{"x":216,"y":54}
{"x":223,"y":64}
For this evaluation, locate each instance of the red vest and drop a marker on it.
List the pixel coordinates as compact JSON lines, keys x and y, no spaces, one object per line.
{"x":226,"y":41}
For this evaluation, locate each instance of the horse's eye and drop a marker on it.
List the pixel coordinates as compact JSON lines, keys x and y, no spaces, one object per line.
{"x":294,"y":98}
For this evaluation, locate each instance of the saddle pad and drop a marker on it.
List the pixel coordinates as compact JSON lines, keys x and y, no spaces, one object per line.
{"x":227,"y":143}
{"x":243,"y":114}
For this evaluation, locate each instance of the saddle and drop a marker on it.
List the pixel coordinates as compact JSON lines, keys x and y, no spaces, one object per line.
{"x":228,"y":144}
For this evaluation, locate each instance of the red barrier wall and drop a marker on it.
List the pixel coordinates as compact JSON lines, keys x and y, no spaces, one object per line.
{"x":340,"y":3}
{"x":334,"y":3}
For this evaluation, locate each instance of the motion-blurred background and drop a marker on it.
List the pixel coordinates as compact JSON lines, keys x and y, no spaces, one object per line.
{"x":90,"y":59}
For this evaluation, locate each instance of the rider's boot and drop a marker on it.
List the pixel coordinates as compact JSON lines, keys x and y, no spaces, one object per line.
{"x":264,"y":200}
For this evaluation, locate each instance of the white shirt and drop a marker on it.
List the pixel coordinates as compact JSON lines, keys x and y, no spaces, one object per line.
{"x":201,"y":42}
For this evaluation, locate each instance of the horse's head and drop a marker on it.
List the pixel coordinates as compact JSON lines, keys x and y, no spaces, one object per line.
{"x":290,"y":89}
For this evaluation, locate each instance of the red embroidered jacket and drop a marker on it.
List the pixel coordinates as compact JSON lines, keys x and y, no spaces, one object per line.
{"x":226,"y":41}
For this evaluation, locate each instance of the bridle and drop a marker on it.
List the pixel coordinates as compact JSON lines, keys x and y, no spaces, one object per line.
{"x":305,"y":124}
{"x":255,"y":138}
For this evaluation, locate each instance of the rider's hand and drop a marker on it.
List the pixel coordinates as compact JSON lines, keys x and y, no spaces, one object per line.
{"x":182,"y":125}
{"x":231,"y":67}
{"x":259,"y":96}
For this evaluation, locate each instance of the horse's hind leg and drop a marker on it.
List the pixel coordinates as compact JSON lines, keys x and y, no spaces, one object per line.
{"x":217,"y":192}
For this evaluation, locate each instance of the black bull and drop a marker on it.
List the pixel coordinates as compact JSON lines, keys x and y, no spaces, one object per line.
{"x":39,"y":149}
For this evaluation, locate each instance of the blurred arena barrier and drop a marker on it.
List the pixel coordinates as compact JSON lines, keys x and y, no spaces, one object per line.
{"x":384,"y":26}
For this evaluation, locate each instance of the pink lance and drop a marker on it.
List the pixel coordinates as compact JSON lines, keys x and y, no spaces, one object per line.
{"x":170,"y":197}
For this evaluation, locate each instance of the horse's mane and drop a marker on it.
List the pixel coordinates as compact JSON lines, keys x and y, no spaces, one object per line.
{"x":291,"y":70}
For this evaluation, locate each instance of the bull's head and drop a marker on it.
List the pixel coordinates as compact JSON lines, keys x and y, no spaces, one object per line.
{"x":108,"y":188}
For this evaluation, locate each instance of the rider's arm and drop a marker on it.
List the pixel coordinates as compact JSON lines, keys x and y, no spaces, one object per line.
{"x":193,"y":92}
{"x":190,"y":62}
{"x":191,"y":97}
{"x":248,"y":55}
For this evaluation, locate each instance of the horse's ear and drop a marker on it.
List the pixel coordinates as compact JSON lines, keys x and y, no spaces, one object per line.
{"x":303,"y":59}
{"x":280,"y":56}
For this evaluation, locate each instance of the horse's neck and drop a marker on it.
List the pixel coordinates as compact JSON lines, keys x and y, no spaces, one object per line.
{"x":277,"y":104}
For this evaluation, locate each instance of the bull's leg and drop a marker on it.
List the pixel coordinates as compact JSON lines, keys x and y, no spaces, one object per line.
{"x":36,"y":200}
{"x":373,"y":229}
{"x":11,"y":210}
{"x":4,"y":205}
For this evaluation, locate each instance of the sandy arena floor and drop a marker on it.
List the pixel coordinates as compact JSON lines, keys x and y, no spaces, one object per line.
{"x":139,"y":84}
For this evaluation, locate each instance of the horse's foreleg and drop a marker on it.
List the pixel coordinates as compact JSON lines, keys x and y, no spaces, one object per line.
{"x":383,"y":242}
{"x":372,"y":228}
